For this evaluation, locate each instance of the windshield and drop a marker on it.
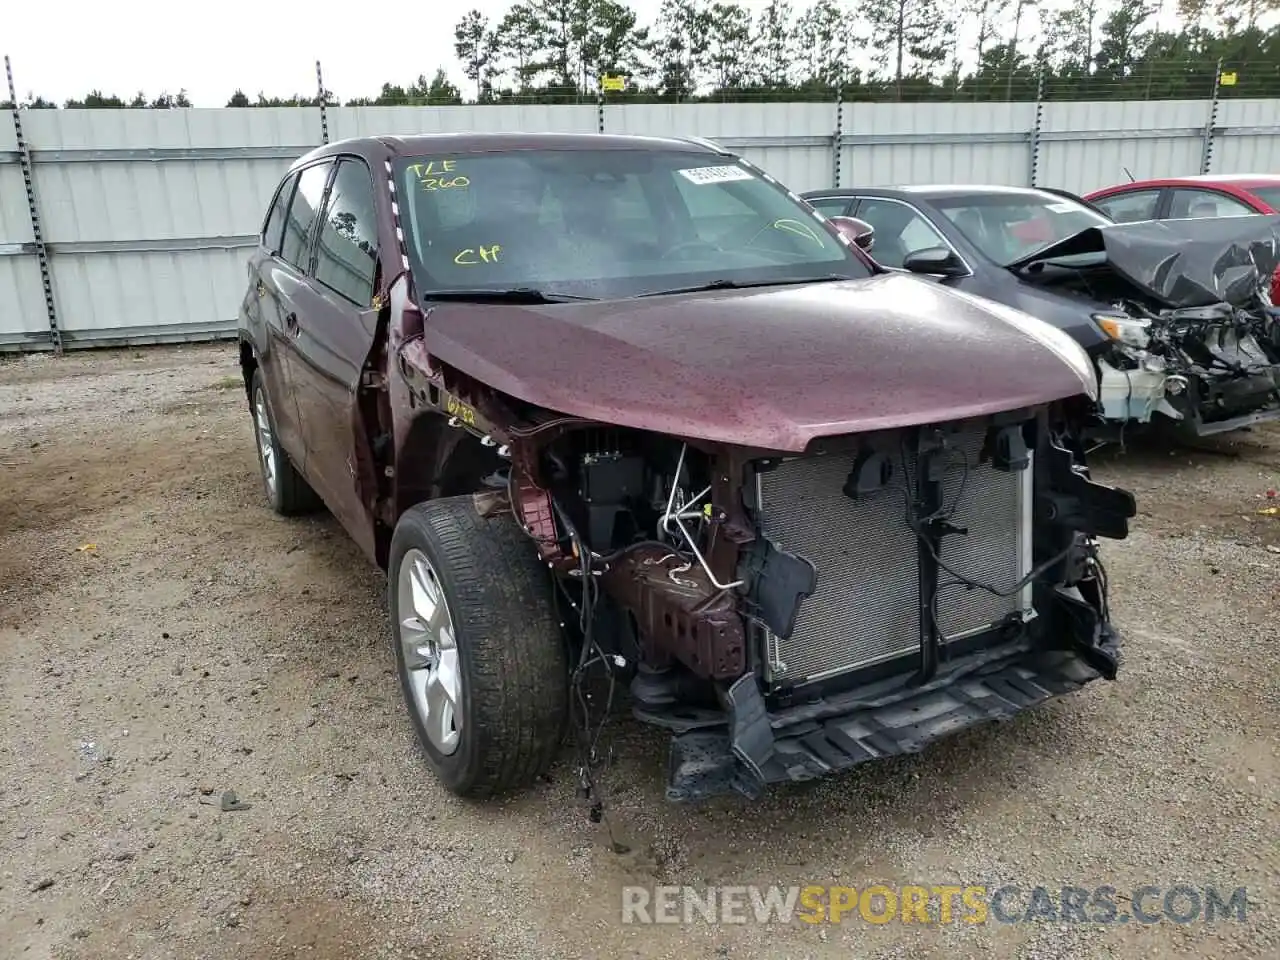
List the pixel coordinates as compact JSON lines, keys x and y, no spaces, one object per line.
{"x":1008,"y":227}
{"x":606,"y":223}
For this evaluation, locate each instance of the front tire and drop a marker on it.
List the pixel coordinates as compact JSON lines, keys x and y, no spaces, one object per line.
{"x":478,"y":647}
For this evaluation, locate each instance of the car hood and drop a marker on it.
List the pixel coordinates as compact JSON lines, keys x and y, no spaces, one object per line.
{"x":771,"y":368}
{"x":1180,"y":263}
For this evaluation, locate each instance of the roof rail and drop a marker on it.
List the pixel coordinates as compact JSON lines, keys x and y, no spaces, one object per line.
{"x":710,"y":145}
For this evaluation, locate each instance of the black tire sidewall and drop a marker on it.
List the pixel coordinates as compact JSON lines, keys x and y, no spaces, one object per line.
{"x":458,"y":768}
{"x":258,"y":386}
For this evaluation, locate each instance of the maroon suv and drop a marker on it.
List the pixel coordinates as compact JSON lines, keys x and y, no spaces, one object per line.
{"x":619,"y":410}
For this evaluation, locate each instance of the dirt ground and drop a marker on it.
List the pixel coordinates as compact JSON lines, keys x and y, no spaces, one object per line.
{"x":166,"y":639}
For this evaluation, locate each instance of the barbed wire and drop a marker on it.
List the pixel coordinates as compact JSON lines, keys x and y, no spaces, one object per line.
{"x":1189,"y":79}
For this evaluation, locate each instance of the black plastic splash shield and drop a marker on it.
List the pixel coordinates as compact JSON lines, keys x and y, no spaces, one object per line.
{"x":704,"y":763}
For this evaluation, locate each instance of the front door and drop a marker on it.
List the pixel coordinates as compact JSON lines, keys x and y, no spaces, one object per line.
{"x":333,"y":336}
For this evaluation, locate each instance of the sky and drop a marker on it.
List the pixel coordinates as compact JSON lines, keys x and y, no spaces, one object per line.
{"x":210,"y":49}
{"x":125,"y":46}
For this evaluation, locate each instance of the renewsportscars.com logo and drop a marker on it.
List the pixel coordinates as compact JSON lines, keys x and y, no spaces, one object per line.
{"x":933,"y":905}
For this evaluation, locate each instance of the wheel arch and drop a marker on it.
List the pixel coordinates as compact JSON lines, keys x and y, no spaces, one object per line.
{"x":248,"y":364}
{"x":435,"y":460}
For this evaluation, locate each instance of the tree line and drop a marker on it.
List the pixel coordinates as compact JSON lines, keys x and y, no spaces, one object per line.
{"x":553,"y":51}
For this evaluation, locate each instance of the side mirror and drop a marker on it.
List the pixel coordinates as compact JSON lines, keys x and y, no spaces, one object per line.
{"x":937,"y":261}
{"x":857,"y":231}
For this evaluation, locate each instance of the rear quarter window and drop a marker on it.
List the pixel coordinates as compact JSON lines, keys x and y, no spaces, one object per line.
{"x":273,"y":225}
{"x":830,"y":206}
{"x":1268,"y":195}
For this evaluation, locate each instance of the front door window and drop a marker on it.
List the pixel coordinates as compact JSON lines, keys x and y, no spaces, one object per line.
{"x":900,"y":230}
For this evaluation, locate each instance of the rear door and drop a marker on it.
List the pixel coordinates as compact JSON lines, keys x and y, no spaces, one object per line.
{"x":265,"y":314}
{"x":288,"y":279}
{"x":1195,"y":203}
{"x":333,"y":336}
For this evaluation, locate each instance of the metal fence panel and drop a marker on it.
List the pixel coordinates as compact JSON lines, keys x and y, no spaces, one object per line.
{"x":793,"y":141}
{"x":104,"y":297}
{"x":15,"y":219}
{"x":148,"y":214}
{"x":894,"y":143}
{"x":1243,"y":147}
{"x":1086,"y":146}
{"x":347,"y":122}
{"x":24,"y":324}
{"x":23,"y":319}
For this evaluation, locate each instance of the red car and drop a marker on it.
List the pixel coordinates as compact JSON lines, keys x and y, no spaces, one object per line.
{"x":1209,"y":195}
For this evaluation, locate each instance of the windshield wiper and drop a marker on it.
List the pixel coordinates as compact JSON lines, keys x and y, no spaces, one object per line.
{"x":726,"y":284}
{"x":507,"y":295}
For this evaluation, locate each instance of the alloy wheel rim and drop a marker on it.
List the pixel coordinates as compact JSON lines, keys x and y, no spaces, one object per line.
{"x":430,"y":652}
{"x":266,"y":445}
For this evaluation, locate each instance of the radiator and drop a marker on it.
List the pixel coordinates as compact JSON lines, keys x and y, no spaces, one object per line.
{"x":865,"y":609}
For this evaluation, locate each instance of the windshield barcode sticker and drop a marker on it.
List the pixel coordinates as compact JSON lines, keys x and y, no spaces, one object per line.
{"x":721,"y":173}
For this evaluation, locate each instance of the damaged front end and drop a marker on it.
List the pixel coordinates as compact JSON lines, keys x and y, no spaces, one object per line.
{"x":786,"y":616}
{"x":1211,"y":369}
{"x":1192,"y":333}
{"x":895,"y":588}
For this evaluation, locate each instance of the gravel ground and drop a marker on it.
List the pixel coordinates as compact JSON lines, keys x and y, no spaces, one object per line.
{"x":168,"y":639}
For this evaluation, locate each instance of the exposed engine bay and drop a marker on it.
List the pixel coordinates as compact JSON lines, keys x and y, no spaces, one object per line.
{"x":1213,"y":368}
{"x":1193,"y":333}
{"x":786,"y":616}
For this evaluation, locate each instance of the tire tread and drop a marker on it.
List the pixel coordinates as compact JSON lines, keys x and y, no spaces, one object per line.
{"x":294,"y":496}
{"x":508,"y":637}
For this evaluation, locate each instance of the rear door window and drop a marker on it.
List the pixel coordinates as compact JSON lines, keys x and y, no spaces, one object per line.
{"x":347,"y":245}
{"x":271,"y":230}
{"x":296,"y":247}
{"x":1205,"y":204}
{"x":1131,"y":207}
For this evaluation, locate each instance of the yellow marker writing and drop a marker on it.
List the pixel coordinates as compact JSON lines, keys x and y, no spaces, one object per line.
{"x":799,"y":229}
{"x":444,"y":183}
{"x":462,"y":411}
{"x":439,"y":175}
{"x":473,"y":255}
{"x":434,"y":168}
